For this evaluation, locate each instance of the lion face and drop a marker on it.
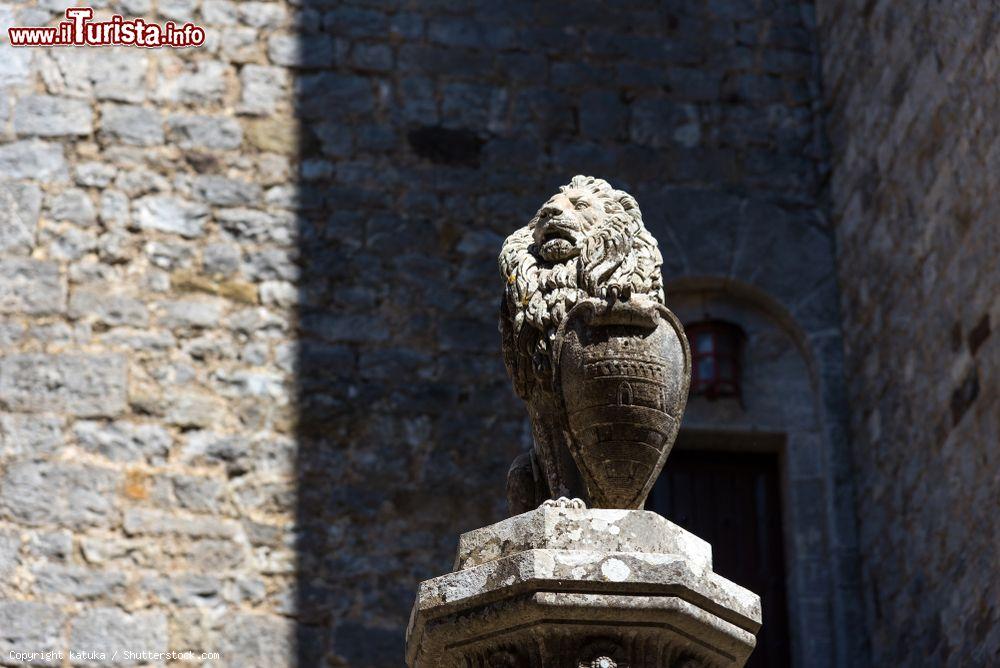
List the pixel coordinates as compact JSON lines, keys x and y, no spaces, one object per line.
{"x":564,"y":222}
{"x":586,"y":242}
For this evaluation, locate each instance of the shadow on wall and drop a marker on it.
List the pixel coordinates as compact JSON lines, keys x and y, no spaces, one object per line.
{"x":426,"y":134}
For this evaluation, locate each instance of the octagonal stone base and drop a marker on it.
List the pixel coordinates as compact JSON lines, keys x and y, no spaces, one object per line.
{"x":569,"y":588}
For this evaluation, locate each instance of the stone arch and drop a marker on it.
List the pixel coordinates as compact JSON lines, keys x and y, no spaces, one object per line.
{"x":746,"y":295}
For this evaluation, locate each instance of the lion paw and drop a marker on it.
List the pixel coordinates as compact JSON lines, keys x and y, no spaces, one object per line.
{"x":564,"y":502}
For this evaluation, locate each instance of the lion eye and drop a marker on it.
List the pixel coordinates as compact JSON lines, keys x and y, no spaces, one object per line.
{"x":581,"y":205}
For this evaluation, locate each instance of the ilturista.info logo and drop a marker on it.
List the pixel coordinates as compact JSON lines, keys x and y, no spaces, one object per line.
{"x":80,"y":29}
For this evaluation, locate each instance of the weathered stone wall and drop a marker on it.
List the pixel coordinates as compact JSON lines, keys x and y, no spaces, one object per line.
{"x":147,"y":289}
{"x":251,"y":379}
{"x":914,"y":125}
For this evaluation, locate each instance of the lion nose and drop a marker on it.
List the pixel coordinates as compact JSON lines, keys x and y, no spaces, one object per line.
{"x":552,"y":210}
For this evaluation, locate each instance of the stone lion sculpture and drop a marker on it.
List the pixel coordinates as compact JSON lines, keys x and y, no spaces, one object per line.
{"x":591,"y":348}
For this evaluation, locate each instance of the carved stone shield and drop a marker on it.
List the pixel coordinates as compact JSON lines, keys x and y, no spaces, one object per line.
{"x":622,"y":370}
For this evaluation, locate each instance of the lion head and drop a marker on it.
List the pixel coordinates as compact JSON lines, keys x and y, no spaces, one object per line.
{"x":564,"y":222}
{"x":587,"y":240}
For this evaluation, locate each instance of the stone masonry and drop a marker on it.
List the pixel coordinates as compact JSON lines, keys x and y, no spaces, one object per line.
{"x":147,"y":293}
{"x":250,"y":384}
{"x":913,"y":122}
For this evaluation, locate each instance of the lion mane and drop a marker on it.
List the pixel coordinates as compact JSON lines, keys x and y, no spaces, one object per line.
{"x":618,"y":258}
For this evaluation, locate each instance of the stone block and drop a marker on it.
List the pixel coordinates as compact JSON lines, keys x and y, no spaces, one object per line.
{"x":69,"y":243}
{"x":29,"y":434}
{"x":190,"y":409}
{"x":543,"y":578}
{"x":253,"y":384}
{"x":355,"y":22}
{"x":102,"y":630}
{"x":315,"y":170}
{"x":169,"y":255}
{"x":220,"y":12}
{"x":119,"y":74}
{"x":221,"y":259}
{"x":107,"y":305}
{"x":54,"y":546}
{"x":258,"y":639}
{"x":311,"y":51}
{"x":205,"y":447}
{"x":12,"y":333}
{"x":167,"y":213}
{"x":77,"y":583}
{"x":602,"y":115}
{"x":467,"y":105}
{"x":694,"y":84}
{"x":33,"y":159}
{"x":271,"y":264}
{"x":201,"y":132}
{"x":72,"y":205}
{"x":192,"y":312}
{"x":362,"y":645}
{"x":95,"y":174}
{"x":335,"y":138}
{"x":20,"y":206}
{"x":124,"y":441}
{"x":10,"y":546}
{"x":241,"y":45}
{"x":31,"y":287}
{"x":137,"y":181}
{"x":38,"y":493}
{"x":137,"y":340}
{"x":406,"y":25}
{"x":417,"y":103}
{"x":376,"y":137}
{"x":332,"y":96}
{"x":273,"y":169}
{"x":346,"y":328}
{"x":472,"y":33}
{"x":50,"y":116}
{"x":264,"y":87}
{"x":204,"y":84}
{"x":145,"y":521}
{"x":27,"y":626}
{"x":734,"y":10}
{"x":198,"y":494}
{"x":372,"y":57}
{"x":660,"y":122}
{"x":15,"y":66}
{"x":262,"y":14}
{"x":276,"y":134}
{"x":134,"y":125}
{"x":178,"y":10}
{"x":78,"y":384}
{"x":223,"y":191}
{"x":595,"y":529}
{"x":186,"y":590}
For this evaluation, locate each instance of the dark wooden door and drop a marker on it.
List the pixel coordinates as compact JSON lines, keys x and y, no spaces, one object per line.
{"x":732,"y":500}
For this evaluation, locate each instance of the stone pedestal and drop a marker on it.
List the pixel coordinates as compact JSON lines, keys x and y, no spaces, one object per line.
{"x":564,"y":588}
